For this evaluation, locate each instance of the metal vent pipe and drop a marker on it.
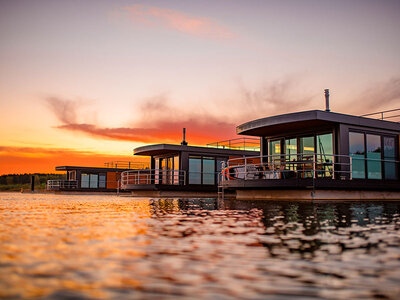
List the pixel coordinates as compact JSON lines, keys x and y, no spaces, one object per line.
{"x":184,"y":143}
{"x":327,"y":100}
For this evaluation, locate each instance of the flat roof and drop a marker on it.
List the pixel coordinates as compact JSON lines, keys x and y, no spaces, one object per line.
{"x":89,"y":169}
{"x":309,"y":119}
{"x":161,"y":149}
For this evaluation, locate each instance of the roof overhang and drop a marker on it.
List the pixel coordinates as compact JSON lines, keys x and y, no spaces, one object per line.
{"x":163,"y":149}
{"x":309,"y":120}
{"x":88,"y":169}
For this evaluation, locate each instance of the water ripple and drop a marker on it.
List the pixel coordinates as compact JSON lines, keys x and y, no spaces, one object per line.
{"x":106,"y":247}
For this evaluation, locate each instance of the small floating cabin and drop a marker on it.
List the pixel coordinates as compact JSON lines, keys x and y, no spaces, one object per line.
{"x":316,"y":154}
{"x":93,"y":179}
{"x":182,"y":170}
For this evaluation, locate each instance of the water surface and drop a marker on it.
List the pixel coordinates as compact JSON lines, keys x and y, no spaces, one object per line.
{"x":109,"y":247}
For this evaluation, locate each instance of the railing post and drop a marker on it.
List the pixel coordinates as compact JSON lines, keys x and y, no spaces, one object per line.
{"x":245,"y":168}
{"x":314,"y":158}
{"x":223,"y":168}
{"x":351,"y":168}
{"x":333,"y":166}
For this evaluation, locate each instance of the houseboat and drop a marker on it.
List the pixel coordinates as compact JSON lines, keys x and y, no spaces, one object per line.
{"x":94,"y":179}
{"x":318,"y":155}
{"x":183,"y":170}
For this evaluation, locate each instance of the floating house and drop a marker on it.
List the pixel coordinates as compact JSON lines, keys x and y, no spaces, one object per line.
{"x":318,"y":155}
{"x":93,"y":179}
{"x":185,"y":170}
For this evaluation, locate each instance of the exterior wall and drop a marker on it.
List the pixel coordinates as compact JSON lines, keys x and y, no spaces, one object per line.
{"x":344,"y":141}
{"x":112,"y":180}
{"x":318,"y":195}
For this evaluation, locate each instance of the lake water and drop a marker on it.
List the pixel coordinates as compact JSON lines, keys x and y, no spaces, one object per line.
{"x":109,"y":247}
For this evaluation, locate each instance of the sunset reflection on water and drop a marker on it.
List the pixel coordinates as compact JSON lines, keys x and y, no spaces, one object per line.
{"x":62,"y":246}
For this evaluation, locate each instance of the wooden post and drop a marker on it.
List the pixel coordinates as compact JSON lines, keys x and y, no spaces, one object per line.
{"x":32,"y":183}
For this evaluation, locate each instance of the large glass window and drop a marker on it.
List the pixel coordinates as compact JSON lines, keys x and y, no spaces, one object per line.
{"x":307,"y":147}
{"x":291,"y":153}
{"x":357,"y":153}
{"x":307,"y":151}
{"x":325,"y":155}
{"x":157,"y":171}
{"x":291,"y":149}
{"x":208,"y":170}
{"x":374,"y":162}
{"x":176,"y":170}
{"x":84,"y":181}
{"x":94,"y":181}
{"x":389,"y":157}
{"x":274,"y":152}
{"x":102,"y":181}
{"x":71,"y":175}
{"x":194,"y":170}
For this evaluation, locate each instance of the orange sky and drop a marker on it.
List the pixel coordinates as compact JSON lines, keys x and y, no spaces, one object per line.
{"x":84,"y":83}
{"x":36,"y":160}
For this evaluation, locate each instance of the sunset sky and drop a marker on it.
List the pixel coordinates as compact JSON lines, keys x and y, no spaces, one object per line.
{"x":84,"y":82}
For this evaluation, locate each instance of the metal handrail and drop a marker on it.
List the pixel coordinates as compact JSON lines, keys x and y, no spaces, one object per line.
{"x":126,"y":165}
{"x":381,"y":113}
{"x":61,"y":184}
{"x":244,"y":143}
{"x":309,"y":165}
{"x":152,"y":176}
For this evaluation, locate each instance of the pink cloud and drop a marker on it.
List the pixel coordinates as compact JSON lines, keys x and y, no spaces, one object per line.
{"x":179,"y":21}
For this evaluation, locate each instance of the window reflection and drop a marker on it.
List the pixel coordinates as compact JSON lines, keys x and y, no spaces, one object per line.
{"x":325,"y":157}
{"x":194,"y":170}
{"x":389,"y":157}
{"x":374,"y":167}
{"x":357,"y":153}
{"x":84,"y":180}
{"x":208,"y":170}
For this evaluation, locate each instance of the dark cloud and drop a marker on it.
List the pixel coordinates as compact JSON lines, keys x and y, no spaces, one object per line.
{"x":159,"y":122}
{"x":273,"y":98}
{"x":65,"y":110}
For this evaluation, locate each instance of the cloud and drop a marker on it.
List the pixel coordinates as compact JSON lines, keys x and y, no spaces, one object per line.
{"x":272,"y":98}
{"x":381,"y":96}
{"x":175,"y":20}
{"x":63,"y":109}
{"x":160,"y":122}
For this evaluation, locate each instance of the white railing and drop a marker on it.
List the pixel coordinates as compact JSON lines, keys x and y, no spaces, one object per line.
{"x":61,"y":184}
{"x":245,"y":143}
{"x":127,"y":165}
{"x":153,"y":176}
{"x":306,"y":165}
{"x":383,"y":115}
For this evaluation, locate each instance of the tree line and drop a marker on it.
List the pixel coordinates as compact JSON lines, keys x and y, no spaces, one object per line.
{"x":18,"y":181}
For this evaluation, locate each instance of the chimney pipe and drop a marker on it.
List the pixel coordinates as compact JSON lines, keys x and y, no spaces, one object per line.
{"x":327,"y":100}
{"x":184,"y":143}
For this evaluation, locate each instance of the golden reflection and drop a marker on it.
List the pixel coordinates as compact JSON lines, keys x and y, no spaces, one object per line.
{"x":101,"y":247}
{"x":45,"y":242}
